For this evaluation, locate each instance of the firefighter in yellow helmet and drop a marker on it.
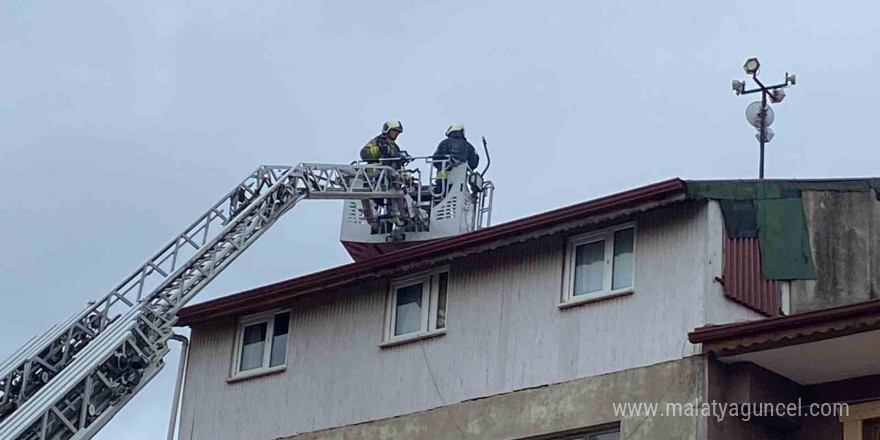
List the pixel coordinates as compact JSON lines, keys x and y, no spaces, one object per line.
{"x":383,"y":148}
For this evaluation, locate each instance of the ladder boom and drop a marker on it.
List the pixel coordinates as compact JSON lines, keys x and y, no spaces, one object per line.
{"x":67,"y":383}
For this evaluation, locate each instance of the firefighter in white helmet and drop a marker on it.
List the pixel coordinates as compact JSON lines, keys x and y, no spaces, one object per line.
{"x":383,"y":148}
{"x":454,"y":150}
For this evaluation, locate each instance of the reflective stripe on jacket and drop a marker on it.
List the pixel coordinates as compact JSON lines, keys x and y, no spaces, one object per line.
{"x":380,"y":147}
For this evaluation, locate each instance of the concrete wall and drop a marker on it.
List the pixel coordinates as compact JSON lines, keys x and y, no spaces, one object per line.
{"x":749,"y":383}
{"x":845,"y":238}
{"x":504,"y":333}
{"x":574,"y":405}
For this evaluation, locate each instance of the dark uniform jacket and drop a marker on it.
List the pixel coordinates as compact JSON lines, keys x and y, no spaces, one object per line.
{"x":458,"y":147}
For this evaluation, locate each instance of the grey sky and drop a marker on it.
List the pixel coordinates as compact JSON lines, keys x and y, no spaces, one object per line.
{"x":121,"y":121}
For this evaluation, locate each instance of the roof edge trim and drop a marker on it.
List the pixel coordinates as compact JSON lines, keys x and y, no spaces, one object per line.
{"x":273,"y":293}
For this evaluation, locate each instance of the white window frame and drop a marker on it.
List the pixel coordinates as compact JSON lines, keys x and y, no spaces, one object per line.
{"x":606,"y":235}
{"x":269,"y":319}
{"x":430,"y":281}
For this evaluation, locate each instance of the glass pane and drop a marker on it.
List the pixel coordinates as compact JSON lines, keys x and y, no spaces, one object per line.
{"x":252,"y":347}
{"x":409,"y":309}
{"x":279,"y":339}
{"x":441,"y":300}
{"x":606,"y":436}
{"x":589,"y":271}
{"x":623,"y":259}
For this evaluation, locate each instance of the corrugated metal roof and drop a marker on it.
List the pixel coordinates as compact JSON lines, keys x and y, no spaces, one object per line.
{"x":743,"y":281}
{"x":276,"y":294}
{"x":788,"y":330}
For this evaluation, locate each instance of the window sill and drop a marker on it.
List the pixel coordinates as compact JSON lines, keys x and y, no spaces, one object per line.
{"x":413,"y":337}
{"x":257,"y":373}
{"x":586,"y":299}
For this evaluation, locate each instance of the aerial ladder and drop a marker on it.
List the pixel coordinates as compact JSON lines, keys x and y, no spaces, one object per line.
{"x":69,"y":382}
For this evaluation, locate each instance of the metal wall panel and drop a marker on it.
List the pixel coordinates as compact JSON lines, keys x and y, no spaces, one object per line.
{"x":504,"y":333}
{"x":720,"y":309}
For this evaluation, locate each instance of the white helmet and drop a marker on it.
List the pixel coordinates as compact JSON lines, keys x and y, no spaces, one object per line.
{"x":392,"y":125}
{"x":458,"y":126}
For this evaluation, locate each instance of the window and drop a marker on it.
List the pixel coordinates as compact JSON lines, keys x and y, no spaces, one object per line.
{"x":861,"y":421}
{"x":261,"y":344}
{"x":600,"y":264}
{"x":417,"y":306}
{"x":612,"y":434}
{"x":607,"y":435}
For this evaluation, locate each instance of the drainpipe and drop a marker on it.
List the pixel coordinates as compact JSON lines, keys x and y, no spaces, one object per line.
{"x":181,"y":367}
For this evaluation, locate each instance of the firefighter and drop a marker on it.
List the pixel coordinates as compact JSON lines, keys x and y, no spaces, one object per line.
{"x":383,"y":147}
{"x":457,"y":150}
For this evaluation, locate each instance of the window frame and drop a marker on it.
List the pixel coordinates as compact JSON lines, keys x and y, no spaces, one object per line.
{"x":430,"y":281}
{"x":606,"y":235}
{"x":590,"y":435}
{"x":269,"y":318}
{"x":581,"y":433}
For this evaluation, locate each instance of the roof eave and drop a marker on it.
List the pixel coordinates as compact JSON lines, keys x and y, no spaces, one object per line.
{"x":719,"y":333}
{"x":265,"y":296}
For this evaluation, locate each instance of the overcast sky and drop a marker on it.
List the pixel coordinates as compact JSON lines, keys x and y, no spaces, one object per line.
{"x":120,"y":122}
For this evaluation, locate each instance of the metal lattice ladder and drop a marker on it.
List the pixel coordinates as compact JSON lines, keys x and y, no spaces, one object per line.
{"x":69,"y":382}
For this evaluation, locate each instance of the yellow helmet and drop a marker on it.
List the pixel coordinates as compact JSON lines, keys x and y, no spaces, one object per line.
{"x":392,"y":125}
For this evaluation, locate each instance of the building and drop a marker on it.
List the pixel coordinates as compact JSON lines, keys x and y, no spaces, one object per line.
{"x":678,"y":293}
{"x":826,"y":351}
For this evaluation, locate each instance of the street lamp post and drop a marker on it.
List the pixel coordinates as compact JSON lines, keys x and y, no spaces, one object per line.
{"x":758,"y":113}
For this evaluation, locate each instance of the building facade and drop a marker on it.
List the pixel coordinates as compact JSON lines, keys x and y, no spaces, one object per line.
{"x":540,"y":328}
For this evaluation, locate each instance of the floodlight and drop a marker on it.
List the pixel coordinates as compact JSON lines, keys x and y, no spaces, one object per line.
{"x":738,"y":86}
{"x":751,"y":66}
{"x":753,"y":115}
{"x":790,"y":79}
{"x":777,"y":96}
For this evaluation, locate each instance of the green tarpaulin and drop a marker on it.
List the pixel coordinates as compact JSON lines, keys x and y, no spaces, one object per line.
{"x":785,"y":244}
{"x":772,"y":189}
{"x":740,"y":218}
{"x":773,"y":211}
